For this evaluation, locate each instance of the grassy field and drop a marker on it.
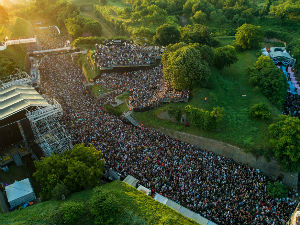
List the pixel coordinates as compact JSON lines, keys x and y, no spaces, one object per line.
{"x":96,"y":90}
{"x":147,"y":210}
{"x":226,"y":89}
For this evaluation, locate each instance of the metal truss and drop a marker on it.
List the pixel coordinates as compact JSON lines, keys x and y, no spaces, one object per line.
{"x":48,"y":132}
{"x":19,"y":78}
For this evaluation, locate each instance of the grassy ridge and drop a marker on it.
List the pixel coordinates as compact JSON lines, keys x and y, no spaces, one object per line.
{"x":141,"y":206}
{"x":226,"y":89}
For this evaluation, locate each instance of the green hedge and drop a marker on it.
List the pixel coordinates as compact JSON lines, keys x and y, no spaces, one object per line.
{"x":260,"y":111}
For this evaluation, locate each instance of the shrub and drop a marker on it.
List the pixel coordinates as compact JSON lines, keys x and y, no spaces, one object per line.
{"x":59,"y":190}
{"x":205,"y":119}
{"x":71,"y":212}
{"x":175,"y":112}
{"x":277,"y":190}
{"x":260,"y":111}
{"x":269,"y":79}
{"x":105,"y":208}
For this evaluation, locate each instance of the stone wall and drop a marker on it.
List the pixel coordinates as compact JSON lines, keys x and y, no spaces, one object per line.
{"x":271,"y":168}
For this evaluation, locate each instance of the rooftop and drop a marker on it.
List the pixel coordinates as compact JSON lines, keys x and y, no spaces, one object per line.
{"x":16,"y":98}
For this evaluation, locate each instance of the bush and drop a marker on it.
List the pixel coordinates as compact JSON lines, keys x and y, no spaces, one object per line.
{"x":204,"y":119}
{"x":105,"y":209}
{"x":77,"y":169}
{"x":59,"y":190}
{"x":269,"y":79}
{"x":260,"y":111}
{"x":175,"y":112}
{"x":277,"y":190}
{"x":71,"y":212}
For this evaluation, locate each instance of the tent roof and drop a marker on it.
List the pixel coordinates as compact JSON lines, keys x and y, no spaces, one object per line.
{"x":279,"y":52}
{"x":131,"y":180}
{"x":18,"y":97}
{"x":18,"y":189}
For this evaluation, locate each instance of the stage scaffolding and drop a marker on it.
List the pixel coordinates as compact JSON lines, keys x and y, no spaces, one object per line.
{"x":48,"y":132}
{"x":19,"y":78}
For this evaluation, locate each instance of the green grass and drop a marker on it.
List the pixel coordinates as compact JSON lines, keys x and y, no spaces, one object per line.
{"x":226,"y":40}
{"x":86,"y":66}
{"x":123,"y":96}
{"x":226,"y":90}
{"x":123,"y":107}
{"x":97,"y":90}
{"x":139,"y":204}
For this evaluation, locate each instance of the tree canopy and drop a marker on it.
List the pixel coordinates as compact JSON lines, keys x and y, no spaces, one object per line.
{"x":76,"y":169}
{"x":285,"y":141}
{"x":196,"y":33}
{"x":166,"y":34}
{"x":269,"y":79}
{"x":225,"y":56}
{"x":183,"y":66}
{"x":248,"y":36}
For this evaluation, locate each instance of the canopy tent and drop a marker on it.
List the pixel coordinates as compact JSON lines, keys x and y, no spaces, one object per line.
{"x":17,"y":98}
{"x":280,"y":55}
{"x":19,"y":192}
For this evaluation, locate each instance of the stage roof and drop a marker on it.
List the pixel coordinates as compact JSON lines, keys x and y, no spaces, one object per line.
{"x":16,"y":98}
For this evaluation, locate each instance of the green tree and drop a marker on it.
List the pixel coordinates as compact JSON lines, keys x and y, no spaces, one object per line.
{"x":286,"y":10}
{"x":59,"y":190}
{"x":277,"y":190}
{"x":260,"y":111}
{"x":77,"y":169}
{"x":183,"y":67}
{"x":248,"y":36}
{"x":166,"y":34}
{"x":143,"y":35}
{"x":199,"y":17}
{"x":285,"y":141}
{"x":225,"y":56}
{"x":196,"y":33}
{"x":269,"y":79}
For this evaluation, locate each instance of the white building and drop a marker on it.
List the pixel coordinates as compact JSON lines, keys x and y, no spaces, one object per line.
{"x":19,"y":193}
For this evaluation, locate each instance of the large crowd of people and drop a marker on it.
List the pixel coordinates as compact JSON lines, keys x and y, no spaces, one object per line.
{"x":216,"y":187}
{"x":124,"y":53}
{"x":146,"y":87}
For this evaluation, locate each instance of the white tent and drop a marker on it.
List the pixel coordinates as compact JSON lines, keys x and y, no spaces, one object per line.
{"x":19,"y":192}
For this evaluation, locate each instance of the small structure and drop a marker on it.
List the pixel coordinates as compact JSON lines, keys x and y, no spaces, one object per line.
{"x":131,"y":181}
{"x":19,"y":193}
{"x":280,"y":55}
{"x":182,"y":210}
{"x":144,"y":190}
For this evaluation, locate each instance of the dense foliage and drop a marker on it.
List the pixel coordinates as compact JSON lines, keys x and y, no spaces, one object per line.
{"x":135,"y":208}
{"x":166,"y":34}
{"x":269,"y":79}
{"x":285,"y":141}
{"x":184,"y":66}
{"x":225,"y":56}
{"x":82,"y":26}
{"x":196,"y":34}
{"x":248,"y":36}
{"x":277,"y":190}
{"x":204,"y":119}
{"x":260,"y":111}
{"x":77,"y":169}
